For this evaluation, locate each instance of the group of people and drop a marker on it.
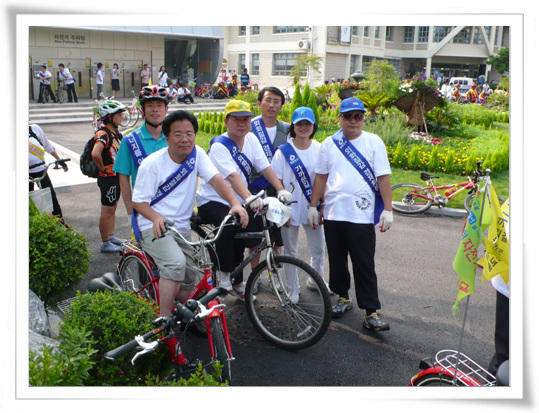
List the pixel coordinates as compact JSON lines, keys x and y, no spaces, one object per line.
{"x":64,"y":78}
{"x":255,"y":153}
{"x":474,"y":95}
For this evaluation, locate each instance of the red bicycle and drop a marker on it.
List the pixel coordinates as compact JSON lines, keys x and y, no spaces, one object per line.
{"x":137,"y":272}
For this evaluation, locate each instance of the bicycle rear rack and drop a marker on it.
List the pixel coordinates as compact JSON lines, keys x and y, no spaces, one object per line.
{"x":468,"y":372}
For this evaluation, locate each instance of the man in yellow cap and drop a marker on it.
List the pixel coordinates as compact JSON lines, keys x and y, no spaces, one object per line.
{"x":235,"y":154}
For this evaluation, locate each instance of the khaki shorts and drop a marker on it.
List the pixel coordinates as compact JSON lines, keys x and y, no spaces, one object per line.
{"x":174,"y":258}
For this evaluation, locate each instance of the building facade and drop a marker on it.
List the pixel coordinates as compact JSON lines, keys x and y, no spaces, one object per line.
{"x":269,"y":52}
{"x":187,"y":52}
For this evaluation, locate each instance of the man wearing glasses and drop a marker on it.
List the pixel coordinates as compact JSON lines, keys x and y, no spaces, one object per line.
{"x":353,"y":173}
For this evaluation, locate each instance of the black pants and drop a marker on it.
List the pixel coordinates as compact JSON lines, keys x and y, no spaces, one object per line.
{"x":46,"y":183}
{"x":186,"y":98}
{"x":229,"y":250}
{"x":358,"y":241}
{"x":501,"y":333}
{"x":42,"y":87}
{"x":72,"y":93}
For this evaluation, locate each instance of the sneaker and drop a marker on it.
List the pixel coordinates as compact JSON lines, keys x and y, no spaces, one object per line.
{"x":238,"y":291}
{"x":110,"y":248}
{"x":294,"y":296}
{"x":223,"y":280}
{"x":117,"y":241}
{"x":373,"y":322}
{"x":312,"y":285}
{"x":343,"y":305}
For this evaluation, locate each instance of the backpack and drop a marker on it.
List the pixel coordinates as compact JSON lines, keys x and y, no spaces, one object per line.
{"x":87,"y":164}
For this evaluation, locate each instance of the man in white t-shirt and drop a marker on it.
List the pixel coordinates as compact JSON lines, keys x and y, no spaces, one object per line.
{"x":177,"y":274}
{"x":99,"y":79}
{"x":349,"y":215}
{"x":44,"y":77}
{"x":212,"y":208}
{"x":68,"y":79}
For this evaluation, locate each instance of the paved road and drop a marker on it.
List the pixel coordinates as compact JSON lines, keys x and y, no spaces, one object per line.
{"x":417,"y":287}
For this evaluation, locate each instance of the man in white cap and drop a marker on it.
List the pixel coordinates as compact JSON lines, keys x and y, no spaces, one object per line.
{"x":353,"y":175}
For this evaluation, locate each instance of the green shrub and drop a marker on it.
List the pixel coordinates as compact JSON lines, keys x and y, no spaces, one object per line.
{"x":450,"y":162}
{"x":198,"y":378}
{"x":115,"y":319}
{"x":471,"y":163}
{"x":58,"y":255}
{"x":69,"y":365}
{"x":250,"y":97}
{"x":434,"y":160}
{"x":398,"y":156}
{"x":391,"y":128}
{"x":413,"y":158}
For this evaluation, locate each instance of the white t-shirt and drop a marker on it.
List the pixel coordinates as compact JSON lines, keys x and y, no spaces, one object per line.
{"x":65,"y":75}
{"x":226,"y":165}
{"x":43,"y":75}
{"x":100,"y":76}
{"x":284,"y":172}
{"x":348,"y":196}
{"x":177,"y":205}
{"x":45,"y":145}
{"x":163,"y":79}
{"x":272,"y":132}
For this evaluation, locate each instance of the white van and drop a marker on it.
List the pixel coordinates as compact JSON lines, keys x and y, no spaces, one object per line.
{"x":465,"y":84}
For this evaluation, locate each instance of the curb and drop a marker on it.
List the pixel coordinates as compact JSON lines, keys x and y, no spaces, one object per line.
{"x":450,"y":212}
{"x":66,"y":153}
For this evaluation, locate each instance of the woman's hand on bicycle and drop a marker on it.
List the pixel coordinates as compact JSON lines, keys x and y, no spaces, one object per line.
{"x":284,"y":196}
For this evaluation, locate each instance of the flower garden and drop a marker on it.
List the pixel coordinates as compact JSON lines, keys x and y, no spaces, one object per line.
{"x":458,"y":135}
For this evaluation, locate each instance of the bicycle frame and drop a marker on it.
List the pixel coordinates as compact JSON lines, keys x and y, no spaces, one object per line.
{"x":433,"y":188}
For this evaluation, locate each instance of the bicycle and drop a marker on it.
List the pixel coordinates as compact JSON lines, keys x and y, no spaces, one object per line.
{"x":204,"y":302}
{"x":133,"y":113}
{"x":60,"y":91}
{"x":415,"y":199}
{"x":276,"y":317}
{"x":205,"y":90}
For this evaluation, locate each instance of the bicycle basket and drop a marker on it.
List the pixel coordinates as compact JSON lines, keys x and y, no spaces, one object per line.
{"x":469,"y":373}
{"x":42,"y":199}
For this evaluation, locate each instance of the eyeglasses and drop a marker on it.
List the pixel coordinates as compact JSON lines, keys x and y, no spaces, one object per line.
{"x":355,"y":116}
{"x":188,"y":135}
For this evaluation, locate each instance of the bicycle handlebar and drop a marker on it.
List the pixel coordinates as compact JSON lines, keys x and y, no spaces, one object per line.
{"x":169,"y":226}
{"x":57,"y":163}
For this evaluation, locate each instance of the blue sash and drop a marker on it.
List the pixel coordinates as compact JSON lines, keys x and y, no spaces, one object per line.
{"x":302,"y":176}
{"x":241,"y":160}
{"x":259,"y":129}
{"x":172,"y":182}
{"x":362,"y":166}
{"x":135,"y":147}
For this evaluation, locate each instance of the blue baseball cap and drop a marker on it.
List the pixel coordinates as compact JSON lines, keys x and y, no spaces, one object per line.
{"x":303,"y":113}
{"x":350,"y":104}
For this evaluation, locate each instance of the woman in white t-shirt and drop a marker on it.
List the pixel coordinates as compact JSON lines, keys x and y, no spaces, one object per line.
{"x":115,"y":80}
{"x":163,"y":77}
{"x":300,"y":145}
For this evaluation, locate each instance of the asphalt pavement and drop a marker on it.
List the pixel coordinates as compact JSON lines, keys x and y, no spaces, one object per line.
{"x":417,"y":288}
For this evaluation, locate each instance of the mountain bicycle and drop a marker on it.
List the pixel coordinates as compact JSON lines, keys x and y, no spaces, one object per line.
{"x":60,"y":91}
{"x":137,"y":272}
{"x":415,"y":199}
{"x":277,"y":317}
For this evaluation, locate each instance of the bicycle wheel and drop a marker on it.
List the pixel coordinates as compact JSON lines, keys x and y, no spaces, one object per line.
{"x":469,"y":201}
{"x":135,"y":276}
{"x":60,"y":95}
{"x":409,"y":198}
{"x":219,"y":347}
{"x":45,"y":97}
{"x":126,"y":118}
{"x":285,"y":324}
{"x":435,"y":379}
{"x":134,"y":115}
{"x":198,"y":233}
{"x":208,"y":93}
{"x":96,"y":122}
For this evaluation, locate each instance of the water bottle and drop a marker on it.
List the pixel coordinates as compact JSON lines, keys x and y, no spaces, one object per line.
{"x":451,"y":191}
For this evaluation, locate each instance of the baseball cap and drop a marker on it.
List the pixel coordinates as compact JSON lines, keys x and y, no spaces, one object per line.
{"x":347,"y":105}
{"x":238,"y":108}
{"x":303,"y":113}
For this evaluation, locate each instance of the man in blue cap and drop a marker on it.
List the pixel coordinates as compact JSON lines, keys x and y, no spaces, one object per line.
{"x":353,"y":176}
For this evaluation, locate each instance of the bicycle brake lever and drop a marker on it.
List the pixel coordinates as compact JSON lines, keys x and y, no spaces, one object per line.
{"x":146,"y":348}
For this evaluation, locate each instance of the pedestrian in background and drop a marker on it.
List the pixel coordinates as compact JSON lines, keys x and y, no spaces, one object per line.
{"x":99,"y":80}
{"x":145,"y":75}
{"x":163,"y":77}
{"x":44,"y":77}
{"x":68,"y":79}
{"x":115,"y":80}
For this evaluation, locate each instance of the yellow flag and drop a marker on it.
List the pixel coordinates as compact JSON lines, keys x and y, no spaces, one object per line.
{"x":496,"y":259}
{"x":150,"y":80}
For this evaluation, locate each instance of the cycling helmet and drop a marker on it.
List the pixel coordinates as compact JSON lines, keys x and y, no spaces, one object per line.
{"x":153,"y":92}
{"x":110,"y":107}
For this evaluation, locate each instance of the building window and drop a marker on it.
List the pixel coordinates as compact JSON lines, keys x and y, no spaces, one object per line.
{"x":478,"y":37}
{"x":353,"y":59}
{"x":409,"y":32}
{"x":463,"y":37}
{"x":255,"y":64}
{"x":354,"y":31}
{"x":376,"y":32}
{"x":290,"y":29}
{"x":389,"y":33}
{"x":255,"y":30}
{"x":440,"y":32}
{"x":366,"y":31}
{"x":283,"y":63}
{"x":241,"y":62}
{"x":243,"y":30}
{"x":423,"y":34}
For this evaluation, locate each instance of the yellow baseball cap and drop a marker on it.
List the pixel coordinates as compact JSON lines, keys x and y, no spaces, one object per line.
{"x":238,"y":108}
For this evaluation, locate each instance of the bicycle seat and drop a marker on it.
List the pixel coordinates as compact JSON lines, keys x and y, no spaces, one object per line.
{"x":426,"y":176}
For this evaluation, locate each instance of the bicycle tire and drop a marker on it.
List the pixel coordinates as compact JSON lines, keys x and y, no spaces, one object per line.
{"x":434,"y":379}
{"x":45,"y":96}
{"x":126,"y":118}
{"x":220,"y":349}
{"x":96,"y":122}
{"x":60,"y":95}
{"x":469,"y":201}
{"x":407,"y":203}
{"x":134,"y":116}
{"x":276,"y":318}
{"x":134,"y":275}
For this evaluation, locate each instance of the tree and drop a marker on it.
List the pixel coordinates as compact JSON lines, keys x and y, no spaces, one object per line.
{"x":500,"y":62}
{"x":305,"y":64}
{"x":380,"y":76}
